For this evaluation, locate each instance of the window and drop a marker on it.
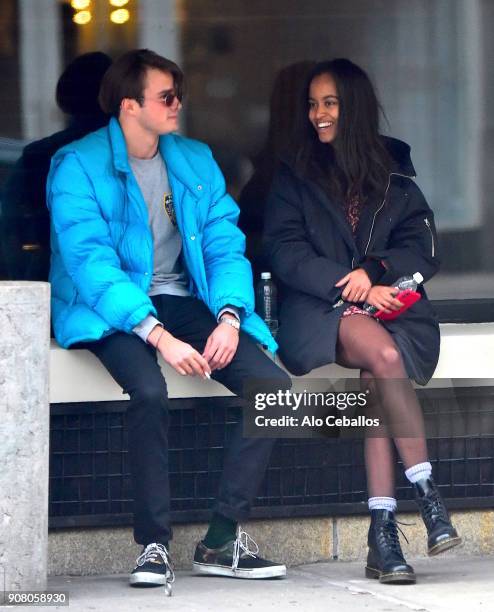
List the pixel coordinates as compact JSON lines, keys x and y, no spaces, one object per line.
{"x":429,"y":60}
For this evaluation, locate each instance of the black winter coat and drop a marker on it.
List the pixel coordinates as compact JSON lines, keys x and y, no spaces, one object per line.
{"x":25,"y":215}
{"x":310,"y":245}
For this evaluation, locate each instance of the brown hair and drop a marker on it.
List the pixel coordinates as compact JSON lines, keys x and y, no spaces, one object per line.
{"x":126,"y":78}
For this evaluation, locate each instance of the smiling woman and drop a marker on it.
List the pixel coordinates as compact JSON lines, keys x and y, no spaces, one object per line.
{"x":344,"y":222}
{"x":324,"y":107}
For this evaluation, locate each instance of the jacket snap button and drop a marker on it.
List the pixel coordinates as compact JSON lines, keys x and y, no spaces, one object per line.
{"x":199,"y":187}
{"x":192,"y":237}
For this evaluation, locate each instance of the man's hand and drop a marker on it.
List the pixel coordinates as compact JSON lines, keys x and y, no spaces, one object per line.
{"x":181,"y":356}
{"x":221,"y":346}
{"x":357,"y":286}
{"x":382,"y":298}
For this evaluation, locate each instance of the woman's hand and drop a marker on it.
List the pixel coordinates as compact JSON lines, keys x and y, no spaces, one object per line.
{"x":382,"y":298}
{"x":357,"y":286}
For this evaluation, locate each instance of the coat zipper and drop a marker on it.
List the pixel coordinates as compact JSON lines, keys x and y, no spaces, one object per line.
{"x":433,"y":249}
{"x":382,"y":205}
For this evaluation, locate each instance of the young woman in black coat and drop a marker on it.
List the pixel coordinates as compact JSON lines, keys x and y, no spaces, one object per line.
{"x":344,"y":221}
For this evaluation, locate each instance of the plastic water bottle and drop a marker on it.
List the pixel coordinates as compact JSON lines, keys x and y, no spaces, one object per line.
{"x":409,"y":282}
{"x":403,"y":283}
{"x":267,"y":301}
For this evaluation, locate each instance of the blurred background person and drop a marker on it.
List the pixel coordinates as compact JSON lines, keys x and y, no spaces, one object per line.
{"x":283,"y":108}
{"x":25,"y":225}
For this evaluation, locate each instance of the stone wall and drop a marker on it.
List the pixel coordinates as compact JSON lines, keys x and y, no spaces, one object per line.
{"x":24,"y":434}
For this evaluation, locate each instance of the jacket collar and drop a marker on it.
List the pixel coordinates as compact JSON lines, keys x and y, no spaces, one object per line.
{"x":171,"y":149}
{"x":119,"y":146}
{"x":178,"y":164}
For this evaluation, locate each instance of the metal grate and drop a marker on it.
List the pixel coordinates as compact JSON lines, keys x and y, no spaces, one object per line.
{"x":90,"y":482}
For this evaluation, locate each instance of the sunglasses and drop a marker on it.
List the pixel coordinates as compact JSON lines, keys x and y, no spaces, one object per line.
{"x":169,"y":98}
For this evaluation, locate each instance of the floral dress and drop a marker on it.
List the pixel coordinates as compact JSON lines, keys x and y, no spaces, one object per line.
{"x":352,"y":212}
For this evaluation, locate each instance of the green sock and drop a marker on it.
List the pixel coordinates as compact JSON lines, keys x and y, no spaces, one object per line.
{"x":221,"y":530}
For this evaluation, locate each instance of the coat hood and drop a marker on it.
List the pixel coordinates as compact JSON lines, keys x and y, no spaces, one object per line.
{"x":399,"y":152}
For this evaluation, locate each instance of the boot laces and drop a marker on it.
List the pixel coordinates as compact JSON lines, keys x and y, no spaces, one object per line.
{"x":389,"y":533}
{"x":152,"y":553}
{"x":433,"y":508}
{"x":241,"y":547}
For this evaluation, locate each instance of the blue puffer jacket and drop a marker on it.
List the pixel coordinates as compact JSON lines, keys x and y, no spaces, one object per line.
{"x":102,"y":246}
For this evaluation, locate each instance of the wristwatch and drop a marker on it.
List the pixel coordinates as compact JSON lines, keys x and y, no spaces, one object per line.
{"x":230,"y":320}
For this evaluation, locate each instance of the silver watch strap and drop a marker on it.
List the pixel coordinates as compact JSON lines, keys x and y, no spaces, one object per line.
{"x":230,"y":321}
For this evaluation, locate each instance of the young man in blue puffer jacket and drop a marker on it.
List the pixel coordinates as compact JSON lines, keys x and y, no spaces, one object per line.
{"x":146,"y":257}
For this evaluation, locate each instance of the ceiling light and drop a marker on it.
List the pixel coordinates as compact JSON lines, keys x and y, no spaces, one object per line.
{"x":120,"y":16}
{"x":82,"y":17}
{"x":79,"y":5}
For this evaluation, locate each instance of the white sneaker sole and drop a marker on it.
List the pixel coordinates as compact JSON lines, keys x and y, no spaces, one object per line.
{"x":147,"y":579}
{"x":274,"y":571}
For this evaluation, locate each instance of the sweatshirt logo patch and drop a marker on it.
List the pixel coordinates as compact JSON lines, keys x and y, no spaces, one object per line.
{"x":169,"y":208}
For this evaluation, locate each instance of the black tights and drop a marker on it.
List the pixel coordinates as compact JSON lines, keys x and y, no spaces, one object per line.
{"x":364,"y":343}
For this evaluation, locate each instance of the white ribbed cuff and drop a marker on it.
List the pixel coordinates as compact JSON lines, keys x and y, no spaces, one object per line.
{"x":382,"y":503}
{"x":420,"y":471}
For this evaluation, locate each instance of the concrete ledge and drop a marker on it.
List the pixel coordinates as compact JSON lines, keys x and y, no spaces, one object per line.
{"x":467,"y":359}
{"x":78,"y":376}
{"x":81,"y":552}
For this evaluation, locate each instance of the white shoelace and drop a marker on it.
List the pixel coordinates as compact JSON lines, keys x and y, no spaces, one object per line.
{"x":151,"y":553}
{"x":241,"y":545}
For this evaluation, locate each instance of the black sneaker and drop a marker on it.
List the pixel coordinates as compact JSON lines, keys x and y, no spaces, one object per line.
{"x":236,"y":560}
{"x":153,"y":568}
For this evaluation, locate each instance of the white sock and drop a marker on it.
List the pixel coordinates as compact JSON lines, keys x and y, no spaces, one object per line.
{"x":382,"y":503}
{"x":419,"y":472}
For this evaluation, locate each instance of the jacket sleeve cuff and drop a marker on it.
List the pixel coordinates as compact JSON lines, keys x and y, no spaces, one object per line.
{"x":231,"y":310}
{"x":145,"y":327}
{"x":374,"y":268}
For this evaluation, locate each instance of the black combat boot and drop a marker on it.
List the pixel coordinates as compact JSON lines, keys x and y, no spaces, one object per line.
{"x":385,"y":560}
{"x":441,"y":533}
